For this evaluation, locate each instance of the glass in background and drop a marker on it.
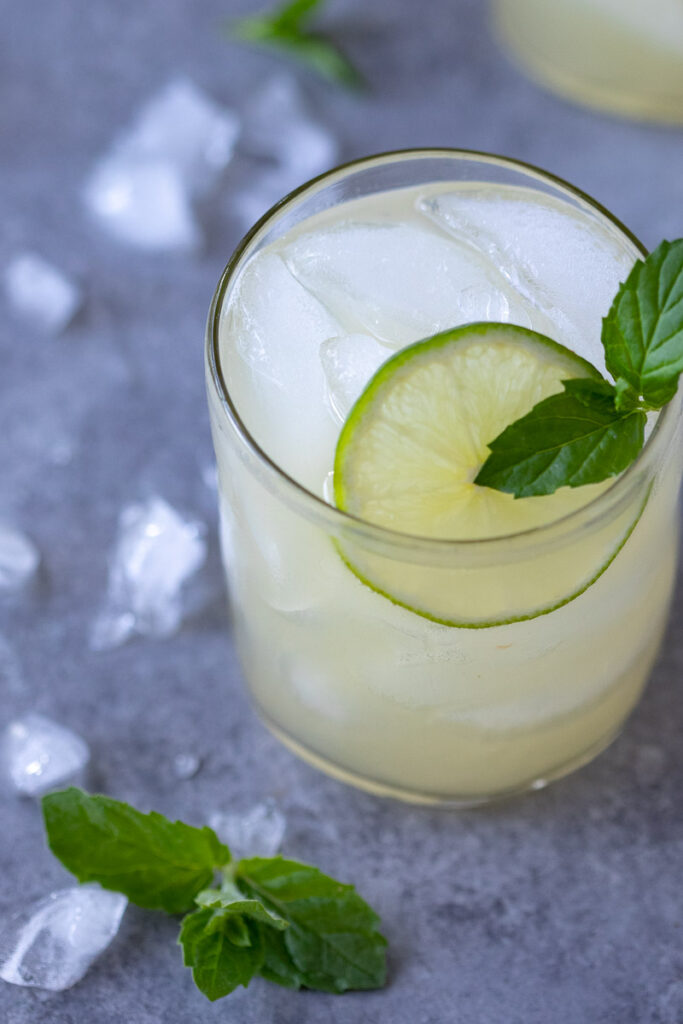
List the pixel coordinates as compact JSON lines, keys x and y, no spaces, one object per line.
{"x":625,"y":56}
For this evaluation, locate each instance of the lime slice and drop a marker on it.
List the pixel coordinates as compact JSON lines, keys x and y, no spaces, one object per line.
{"x":407,"y":457}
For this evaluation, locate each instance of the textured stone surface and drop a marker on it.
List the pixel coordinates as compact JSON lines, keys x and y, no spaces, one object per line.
{"x":566,"y":906}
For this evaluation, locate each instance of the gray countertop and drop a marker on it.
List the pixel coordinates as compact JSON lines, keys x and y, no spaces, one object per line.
{"x":559,"y":908}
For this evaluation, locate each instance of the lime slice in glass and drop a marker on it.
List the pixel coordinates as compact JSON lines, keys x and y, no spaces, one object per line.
{"x":407,"y":457}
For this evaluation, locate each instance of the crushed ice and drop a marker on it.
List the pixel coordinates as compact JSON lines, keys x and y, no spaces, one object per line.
{"x":186,"y":766}
{"x":19,"y":558}
{"x":286,"y":143}
{"x":142,"y":190}
{"x":256,"y":833}
{"x":156,"y":553}
{"x":39,"y":754}
{"x":51,"y":943}
{"x":41,"y":292}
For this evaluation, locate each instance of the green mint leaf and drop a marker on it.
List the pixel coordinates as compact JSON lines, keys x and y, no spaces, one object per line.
{"x":573,"y":438}
{"x":286,"y":31}
{"x":295,"y":14}
{"x":643,"y":331}
{"x":236,"y":928}
{"x":591,"y":392}
{"x":625,"y":397}
{"x":332,"y":939}
{"x":219,"y":963}
{"x":156,"y":863}
{"x":232,"y":901}
{"x":278,"y":965}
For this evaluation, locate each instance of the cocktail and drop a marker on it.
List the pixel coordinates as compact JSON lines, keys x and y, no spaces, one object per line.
{"x":621,"y":55}
{"x":400,"y":626}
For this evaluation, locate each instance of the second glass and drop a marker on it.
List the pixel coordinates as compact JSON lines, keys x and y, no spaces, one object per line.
{"x":625,"y":56}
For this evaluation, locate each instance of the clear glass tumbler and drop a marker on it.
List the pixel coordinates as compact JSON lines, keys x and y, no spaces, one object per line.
{"x":625,"y":56}
{"x":558,"y":626}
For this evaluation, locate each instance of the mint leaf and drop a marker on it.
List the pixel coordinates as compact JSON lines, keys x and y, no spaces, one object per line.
{"x":156,"y":863}
{"x":286,"y":29}
{"x":625,"y":397}
{"x":643,"y":331}
{"x":332,"y":939}
{"x":278,"y":965}
{"x":294,"y":15}
{"x":591,"y":392}
{"x":576,"y":437}
{"x":219,"y":963}
{"x":232,"y":901}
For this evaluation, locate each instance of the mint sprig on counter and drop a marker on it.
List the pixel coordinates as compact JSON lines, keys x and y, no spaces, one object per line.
{"x":268,"y":916}
{"x":594,"y":429}
{"x":289,"y":30}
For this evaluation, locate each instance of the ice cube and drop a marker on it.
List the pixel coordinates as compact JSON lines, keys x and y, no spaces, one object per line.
{"x":349,"y":362}
{"x":38,"y":754}
{"x":398,"y":282}
{"x":156,"y":552}
{"x":565,"y":269}
{"x":185,"y":128}
{"x":41,"y":292}
{"x":51,"y":943}
{"x":275,"y":328}
{"x":280,"y":133}
{"x":173,"y":152}
{"x":142,"y":202}
{"x":19,"y":558}
{"x":186,"y":766}
{"x":257,"y":833}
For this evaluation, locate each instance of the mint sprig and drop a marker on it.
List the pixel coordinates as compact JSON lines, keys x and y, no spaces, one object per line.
{"x":288,"y":29}
{"x":281,"y":919}
{"x":594,"y":429}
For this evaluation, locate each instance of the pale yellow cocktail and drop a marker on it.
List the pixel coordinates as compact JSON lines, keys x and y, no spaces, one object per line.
{"x":559,"y":603}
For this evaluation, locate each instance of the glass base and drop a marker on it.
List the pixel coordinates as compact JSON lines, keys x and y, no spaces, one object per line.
{"x":455,"y":801}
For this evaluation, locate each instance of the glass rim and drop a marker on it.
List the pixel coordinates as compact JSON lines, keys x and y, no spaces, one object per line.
{"x":617,"y":494}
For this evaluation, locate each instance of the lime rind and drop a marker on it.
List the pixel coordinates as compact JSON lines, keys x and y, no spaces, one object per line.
{"x":509,"y":620}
